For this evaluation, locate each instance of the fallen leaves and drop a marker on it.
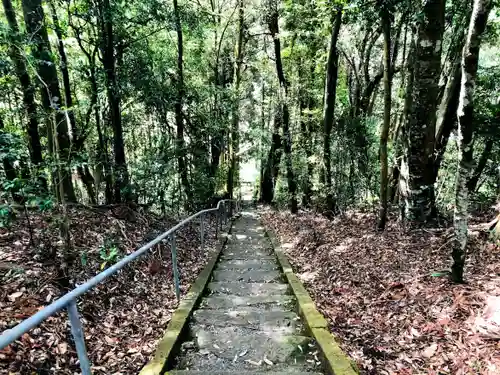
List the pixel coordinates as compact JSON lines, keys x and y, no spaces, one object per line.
{"x":122,"y":318}
{"x":390,"y":315}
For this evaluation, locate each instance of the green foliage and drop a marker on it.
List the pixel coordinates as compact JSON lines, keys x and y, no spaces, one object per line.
{"x":6,"y":215}
{"x":109,"y":254}
{"x":145,"y":46}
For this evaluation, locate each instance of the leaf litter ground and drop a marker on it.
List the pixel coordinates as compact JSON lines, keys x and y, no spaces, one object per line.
{"x":122,"y":318}
{"x":376,"y":290}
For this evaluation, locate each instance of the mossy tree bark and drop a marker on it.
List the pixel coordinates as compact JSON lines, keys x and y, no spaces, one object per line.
{"x":419,"y":197}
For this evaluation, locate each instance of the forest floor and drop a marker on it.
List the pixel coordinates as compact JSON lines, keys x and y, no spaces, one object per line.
{"x":376,"y":289}
{"x":123,"y":317}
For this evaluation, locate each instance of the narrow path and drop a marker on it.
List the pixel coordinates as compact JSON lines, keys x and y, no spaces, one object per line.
{"x":247,"y":323}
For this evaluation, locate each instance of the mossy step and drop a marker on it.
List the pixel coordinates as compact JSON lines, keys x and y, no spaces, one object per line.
{"x":233,"y":347}
{"x":248,"y":289}
{"x":232,"y":255}
{"x":256,"y":320}
{"x":238,"y":264}
{"x":232,"y":301}
{"x":251,"y":276}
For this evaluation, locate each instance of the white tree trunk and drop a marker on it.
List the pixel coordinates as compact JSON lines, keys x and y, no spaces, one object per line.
{"x":470,"y":59}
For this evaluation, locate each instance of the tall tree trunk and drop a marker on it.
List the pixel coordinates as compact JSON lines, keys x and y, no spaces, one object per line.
{"x":422,"y":120}
{"x":102,"y":152}
{"x":16,"y":55}
{"x":102,"y":147}
{"x":181,"y":148}
{"x":306,"y":102}
{"x":446,"y":114}
{"x":470,"y":59}
{"x":121,"y":182}
{"x":384,"y":133}
{"x":64,"y":71}
{"x":234,"y":141}
{"x":287,"y":137}
{"x":51,"y":94}
{"x":287,"y":146}
{"x":262,"y":154}
{"x":78,"y":140}
{"x":398,"y":128}
{"x":329,"y":109}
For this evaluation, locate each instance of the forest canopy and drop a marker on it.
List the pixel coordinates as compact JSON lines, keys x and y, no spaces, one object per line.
{"x":339,"y":104}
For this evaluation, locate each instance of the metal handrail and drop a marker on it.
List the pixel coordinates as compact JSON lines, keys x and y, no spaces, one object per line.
{"x":68,"y":301}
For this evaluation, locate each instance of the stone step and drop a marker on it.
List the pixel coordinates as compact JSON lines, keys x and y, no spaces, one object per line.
{"x":286,"y":321}
{"x":247,"y":289}
{"x":248,"y":264}
{"x":247,"y":256}
{"x":247,"y":324}
{"x":242,"y":346}
{"x":260,"y":246}
{"x":249,"y":253}
{"x":230,"y":301}
{"x":250,"y":276}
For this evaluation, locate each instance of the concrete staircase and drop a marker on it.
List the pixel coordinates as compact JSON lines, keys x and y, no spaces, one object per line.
{"x":247,"y":323}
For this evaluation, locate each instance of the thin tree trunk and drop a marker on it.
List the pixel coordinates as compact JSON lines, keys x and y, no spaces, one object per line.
{"x":287,"y":137}
{"x":447,"y":111}
{"x":15,"y":48}
{"x":447,"y":118}
{"x":405,"y":142}
{"x":292,"y":184}
{"x":329,"y":109}
{"x":470,"y":58}
{"x":307,"y":144}
{"x":64,"y":71}
{"x":384,"y":133}
{"x":50,"y":91}
{"x":78,"y":140}
{"x":234,"y":141}
{"x":261,"y":142}
{"x":181,"y":149}
{"x":64,"y":231}
{"x":121,"y":182}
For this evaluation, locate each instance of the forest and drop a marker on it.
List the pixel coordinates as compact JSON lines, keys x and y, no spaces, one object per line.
{"x":114,"y":113}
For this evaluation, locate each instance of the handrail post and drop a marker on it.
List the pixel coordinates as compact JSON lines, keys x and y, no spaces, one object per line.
{"x":175,"y":270}
{"x":77,"y":332}
{"x":202,"y":234}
